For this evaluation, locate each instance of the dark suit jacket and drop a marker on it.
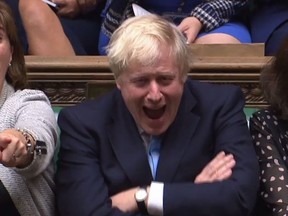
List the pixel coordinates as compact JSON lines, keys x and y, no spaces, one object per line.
{"x":102,"y":154}
{"x":266,"y":18}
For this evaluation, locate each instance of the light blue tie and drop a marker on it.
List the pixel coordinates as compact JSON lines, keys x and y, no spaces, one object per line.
{"x":153,"y":153}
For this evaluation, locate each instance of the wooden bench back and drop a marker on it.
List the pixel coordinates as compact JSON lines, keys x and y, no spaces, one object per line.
{"x":71,"y":80}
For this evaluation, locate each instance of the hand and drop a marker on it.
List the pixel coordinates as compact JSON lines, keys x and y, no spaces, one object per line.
{"x":190,"y":27}
{"x":13,"y":152}
{"x":67,"y":8}
{"x":125,"y":200}
{"x":219,"y":169}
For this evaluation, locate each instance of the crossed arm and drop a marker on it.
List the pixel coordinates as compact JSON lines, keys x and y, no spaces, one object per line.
{"x":219,"y":169}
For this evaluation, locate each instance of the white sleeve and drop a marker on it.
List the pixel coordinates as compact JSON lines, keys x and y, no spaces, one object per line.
{"x":155,"y":199}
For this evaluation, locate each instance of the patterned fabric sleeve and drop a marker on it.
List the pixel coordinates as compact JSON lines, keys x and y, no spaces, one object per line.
{"x":215,"y":13}
{"x":273,"y":172}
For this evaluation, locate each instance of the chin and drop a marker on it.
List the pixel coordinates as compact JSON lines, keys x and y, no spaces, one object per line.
{"x":155,"y":131}
{"x":155,"y":126}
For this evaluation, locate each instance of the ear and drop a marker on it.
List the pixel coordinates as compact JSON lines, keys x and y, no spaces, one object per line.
{"x":119,"y":83}
{"x":12,"y":50}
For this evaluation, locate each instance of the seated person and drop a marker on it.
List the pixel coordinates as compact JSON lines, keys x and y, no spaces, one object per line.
{"x":201,"y":21}
{"x":269,"y":129}
{"x":72,"y":29}
{"x":158,"y":143}
{"x":269,"y":24}
{"x":28,"y":133}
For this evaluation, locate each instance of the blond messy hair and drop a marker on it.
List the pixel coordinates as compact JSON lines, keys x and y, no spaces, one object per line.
{"x":138,"y":41}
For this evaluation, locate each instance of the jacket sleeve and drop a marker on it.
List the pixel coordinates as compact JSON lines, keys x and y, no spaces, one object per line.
{"x":80,"y":185}
{"x":215,"y":13}
{"x":36,"y":116}
{"x":235,"y":196}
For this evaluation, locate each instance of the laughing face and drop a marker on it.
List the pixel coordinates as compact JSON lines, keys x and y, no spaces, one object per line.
{"x":153,"y":93}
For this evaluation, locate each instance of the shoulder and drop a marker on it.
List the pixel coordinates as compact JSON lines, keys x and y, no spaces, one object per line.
{"x":214,"y":93}
{"x":264,"y":114}
{"x":264,"y":120}
{"x":94,"y":111}
{"x":27,"y":99}
{"x":29,"y":95}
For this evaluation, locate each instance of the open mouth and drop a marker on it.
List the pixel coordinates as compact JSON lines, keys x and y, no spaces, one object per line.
{"x":154,"y":113}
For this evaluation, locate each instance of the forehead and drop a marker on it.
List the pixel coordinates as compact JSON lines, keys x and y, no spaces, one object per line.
{"x":163,"y":55}
{"x":160,"y":67}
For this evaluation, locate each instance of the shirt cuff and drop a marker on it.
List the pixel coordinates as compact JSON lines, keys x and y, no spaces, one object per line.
{"x":155,"y":199}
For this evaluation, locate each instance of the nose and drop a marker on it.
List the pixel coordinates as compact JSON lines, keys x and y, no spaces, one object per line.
{"x":154,"y":94}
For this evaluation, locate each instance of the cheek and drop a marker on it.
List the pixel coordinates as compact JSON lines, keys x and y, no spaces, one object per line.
{"x":132,"y":98}
{"x":174,"y":98}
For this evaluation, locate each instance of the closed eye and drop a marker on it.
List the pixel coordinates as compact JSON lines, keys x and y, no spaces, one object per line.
{"x":140,"y":81}
{"x":165,"y":79}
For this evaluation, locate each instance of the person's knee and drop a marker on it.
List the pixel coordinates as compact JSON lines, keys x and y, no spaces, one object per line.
{"x":217,"y":38}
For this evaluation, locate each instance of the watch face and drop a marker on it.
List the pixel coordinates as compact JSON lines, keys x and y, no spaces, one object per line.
{"x":141,"y":194}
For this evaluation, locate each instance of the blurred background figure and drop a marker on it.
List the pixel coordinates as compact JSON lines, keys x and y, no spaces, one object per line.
{"x":269,"y":24}
{"x":201,"y":21}
{"x":76,"y":28}
{"x":72,"y":28}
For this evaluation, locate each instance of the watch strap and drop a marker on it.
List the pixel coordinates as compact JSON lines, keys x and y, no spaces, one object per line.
{"x":141,"y":204}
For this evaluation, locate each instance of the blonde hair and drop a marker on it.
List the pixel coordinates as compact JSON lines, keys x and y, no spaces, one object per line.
{"x":138,"y":41}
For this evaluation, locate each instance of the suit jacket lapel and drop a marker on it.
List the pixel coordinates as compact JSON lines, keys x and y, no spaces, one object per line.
{"x":128,"y":145}
{"x":177,"y":138}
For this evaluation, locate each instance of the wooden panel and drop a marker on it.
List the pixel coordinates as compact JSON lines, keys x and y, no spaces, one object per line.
{"x":70,"y":80}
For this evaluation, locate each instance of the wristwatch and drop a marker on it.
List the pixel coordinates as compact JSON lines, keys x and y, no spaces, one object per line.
{"x":140,"y":197}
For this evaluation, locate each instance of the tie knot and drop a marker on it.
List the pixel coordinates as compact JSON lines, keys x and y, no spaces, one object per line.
{"x":154,"y":145}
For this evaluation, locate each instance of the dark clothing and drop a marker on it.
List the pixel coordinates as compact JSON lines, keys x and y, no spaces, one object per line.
{"x":102,"y":153}
{"x":6,"y":204}
{"x":268,"y":24}
{"x":270,"y":136}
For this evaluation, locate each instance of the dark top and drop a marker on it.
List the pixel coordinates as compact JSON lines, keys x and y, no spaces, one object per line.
{"x":270,"y":136}
{"x":102,"y":154}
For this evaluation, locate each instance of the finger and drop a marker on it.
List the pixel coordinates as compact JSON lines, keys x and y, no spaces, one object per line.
{"x":227,"y":165}
{"x":213,"y":165}
{"x":190,"y":36}
{"x":228,"y":162}
{"x":183,"y":27}
{"x":4,"y":141}
{"x":7,"y":154}
{"x":225,"y":175}
{"x":220,"y":164}
{"x":8,"y":159}
{"x":16,"y":147}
